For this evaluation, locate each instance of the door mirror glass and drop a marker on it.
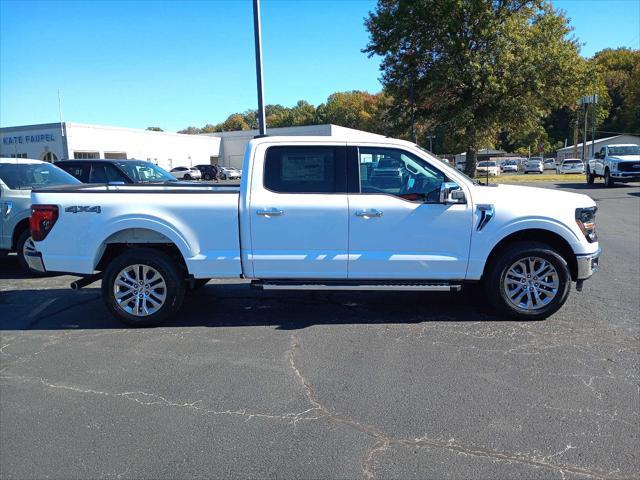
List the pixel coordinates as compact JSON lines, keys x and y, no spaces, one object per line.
{"x":451,"y":193}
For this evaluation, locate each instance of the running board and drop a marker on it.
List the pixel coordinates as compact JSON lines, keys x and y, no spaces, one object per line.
{"x":381,"y":286}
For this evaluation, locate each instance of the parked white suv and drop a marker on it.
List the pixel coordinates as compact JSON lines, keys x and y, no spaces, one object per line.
{"x":17,"y":177}
{"x":308,"y":215}
{"x":186,"y":173}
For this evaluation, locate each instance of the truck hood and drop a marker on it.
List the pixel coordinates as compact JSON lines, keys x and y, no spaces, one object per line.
{"x":530,"y":200}
{"x":626,"y":158}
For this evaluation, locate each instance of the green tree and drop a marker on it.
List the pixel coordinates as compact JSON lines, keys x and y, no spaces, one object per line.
{"x":353,"y":109}
{"x":619,"y":68}
{"x":190,"y":131}
{"x":476,"y":67}
{"x":155,"y":129}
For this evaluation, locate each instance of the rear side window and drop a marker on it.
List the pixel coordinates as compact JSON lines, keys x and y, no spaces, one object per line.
{"x":305,"y":169}
{"x":81,"y":172}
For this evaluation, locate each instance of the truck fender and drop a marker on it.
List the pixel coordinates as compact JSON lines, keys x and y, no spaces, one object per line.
{"x":152,"y":224}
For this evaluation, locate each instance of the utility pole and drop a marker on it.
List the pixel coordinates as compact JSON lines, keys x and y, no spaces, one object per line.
{"x":257,"y":33}
{"x":593,"y":125}
{"x":430,"y":137}
{"x":584,"y":133}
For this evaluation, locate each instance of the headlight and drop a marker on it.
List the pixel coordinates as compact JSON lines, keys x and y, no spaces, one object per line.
{"x":613,"y":164}
{"x":586,"y":220}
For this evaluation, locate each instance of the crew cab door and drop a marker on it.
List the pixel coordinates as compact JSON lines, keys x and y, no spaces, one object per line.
{"x":398,"y":228}
{"x":298,"y":210}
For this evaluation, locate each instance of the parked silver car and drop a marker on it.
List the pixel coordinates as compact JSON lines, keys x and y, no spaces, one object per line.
{"x":17,"y":177}
{"x":534,"y":166}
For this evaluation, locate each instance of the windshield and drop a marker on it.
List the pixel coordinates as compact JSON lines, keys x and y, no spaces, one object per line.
{"x":25,"y":176}
{"x":625,"y":150}
{"x":486,"y":164}
{"x":145,"y":172}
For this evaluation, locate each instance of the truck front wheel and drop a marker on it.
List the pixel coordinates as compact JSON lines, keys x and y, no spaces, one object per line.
{"x":608,"y":181}
{"x":528,"y":281}
{"x":143,"y":287}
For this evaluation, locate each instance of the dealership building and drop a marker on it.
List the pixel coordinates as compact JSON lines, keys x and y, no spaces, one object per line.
{"x":54,"y":142}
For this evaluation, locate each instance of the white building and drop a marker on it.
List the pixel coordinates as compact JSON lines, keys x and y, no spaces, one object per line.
{"x":61,"y":141}
{"x":568,"y":152}
{"x":66,"y":140}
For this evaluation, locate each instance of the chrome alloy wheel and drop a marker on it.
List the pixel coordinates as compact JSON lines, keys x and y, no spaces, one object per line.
{"x":531,"y":283}
{"x":28,"y":247}
{"x":140,"y":290}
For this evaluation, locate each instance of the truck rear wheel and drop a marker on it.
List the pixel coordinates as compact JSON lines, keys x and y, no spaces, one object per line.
{"x":25,"y":245}
{"x":590,"y":176}
{"x":143,"y":287}
{"x":529,"y":281}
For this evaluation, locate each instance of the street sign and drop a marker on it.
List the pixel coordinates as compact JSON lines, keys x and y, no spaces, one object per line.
{"x":588,"y":99}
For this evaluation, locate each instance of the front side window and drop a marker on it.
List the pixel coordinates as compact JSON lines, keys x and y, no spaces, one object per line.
{"x":399,"y":173}
{"x":303,"y":169}
{"x":145,"y":172}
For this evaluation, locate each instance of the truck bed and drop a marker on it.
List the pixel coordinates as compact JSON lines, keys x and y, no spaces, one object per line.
{"x":201,"y":220}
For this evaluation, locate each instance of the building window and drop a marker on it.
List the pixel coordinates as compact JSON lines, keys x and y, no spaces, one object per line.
{"x":50,"y":157}
{"x":115,"y":155}
{"x":85,"y":155}
{"x":18,"y":155}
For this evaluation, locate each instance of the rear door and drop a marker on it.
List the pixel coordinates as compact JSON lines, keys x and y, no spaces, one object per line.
{"x":79,"y":170}
{"x":400,"y":229}
{"x":299,"y":212}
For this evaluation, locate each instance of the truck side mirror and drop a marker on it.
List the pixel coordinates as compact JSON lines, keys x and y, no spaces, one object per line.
{"x":451,"y":193}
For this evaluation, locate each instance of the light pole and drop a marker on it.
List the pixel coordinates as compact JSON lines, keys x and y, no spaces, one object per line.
{"x":430,"y":137}
{"x":257,"y":33}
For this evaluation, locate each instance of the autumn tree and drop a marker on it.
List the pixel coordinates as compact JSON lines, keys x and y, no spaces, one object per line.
{"x":479,"y":67}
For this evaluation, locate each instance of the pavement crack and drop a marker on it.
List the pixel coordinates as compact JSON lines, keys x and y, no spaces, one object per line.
{"x":152,"y":399}
{"x":385,"y":441}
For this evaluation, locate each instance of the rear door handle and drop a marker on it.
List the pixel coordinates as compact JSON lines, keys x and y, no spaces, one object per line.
{"x":369,"y":213}
{"x":270,"y":212}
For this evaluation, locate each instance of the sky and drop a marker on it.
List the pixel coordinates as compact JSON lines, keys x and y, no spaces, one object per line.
{"x":173,"y":64}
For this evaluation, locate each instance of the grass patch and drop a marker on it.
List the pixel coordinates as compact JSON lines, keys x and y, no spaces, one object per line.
{"x":532,"y":177}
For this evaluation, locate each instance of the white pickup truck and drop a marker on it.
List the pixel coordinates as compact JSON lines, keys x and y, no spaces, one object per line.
{"x":317,"y":213}
{"x":615,"y":163}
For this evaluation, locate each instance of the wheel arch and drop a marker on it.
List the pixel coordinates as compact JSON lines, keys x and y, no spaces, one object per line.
{"x":553,"y":239}
{"x":20,"y":227}
{"x":136,"y":237}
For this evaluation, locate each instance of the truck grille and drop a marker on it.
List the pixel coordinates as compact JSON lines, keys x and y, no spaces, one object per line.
{"x":629,"y":167}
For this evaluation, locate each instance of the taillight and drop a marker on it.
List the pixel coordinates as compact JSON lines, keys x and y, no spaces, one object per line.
{"x":43,"y":218}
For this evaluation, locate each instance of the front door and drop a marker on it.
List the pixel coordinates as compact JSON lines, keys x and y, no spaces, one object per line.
{"x":299,"y":213}
{"x":398,"y":229}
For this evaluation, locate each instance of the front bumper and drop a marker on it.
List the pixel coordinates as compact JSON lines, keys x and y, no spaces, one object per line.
{"x":626,"y":176}
{"x":34,"y":260}
{"x":588,"y":264}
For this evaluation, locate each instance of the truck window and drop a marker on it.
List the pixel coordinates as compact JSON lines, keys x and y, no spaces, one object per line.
{"x":305,"y":169}
{"x":398,"y":173}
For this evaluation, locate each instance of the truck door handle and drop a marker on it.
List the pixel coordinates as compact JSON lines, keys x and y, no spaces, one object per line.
{"x":369,"y":213}
{"x":270,"y":212}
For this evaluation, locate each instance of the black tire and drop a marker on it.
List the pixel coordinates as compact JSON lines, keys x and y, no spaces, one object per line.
{"x":590,"y":177}
{"x":165,"y":266}
{"x":608,"y":181}
{"x":187,"y":177}
{"x":497,"y":271}
{"x":207,"y":177}
{"x":22,"y":239}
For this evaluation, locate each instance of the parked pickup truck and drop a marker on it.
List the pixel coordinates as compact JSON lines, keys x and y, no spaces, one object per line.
{"x":308,"y":216}
{"x":615,"y":163}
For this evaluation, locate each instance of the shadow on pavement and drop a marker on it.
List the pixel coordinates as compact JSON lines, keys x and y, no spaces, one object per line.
{"x":596,"y":186}
{"x":238,"y":305}
{"x":11,"y":270}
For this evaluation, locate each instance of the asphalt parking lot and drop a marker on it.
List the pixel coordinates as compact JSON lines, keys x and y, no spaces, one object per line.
{"x":250,"y":384}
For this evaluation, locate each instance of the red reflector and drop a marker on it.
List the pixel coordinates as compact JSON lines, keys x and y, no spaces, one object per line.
{"x":43,"y":217}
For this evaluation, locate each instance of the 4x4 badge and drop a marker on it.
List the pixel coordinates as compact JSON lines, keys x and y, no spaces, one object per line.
{"x":83,"y":209}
